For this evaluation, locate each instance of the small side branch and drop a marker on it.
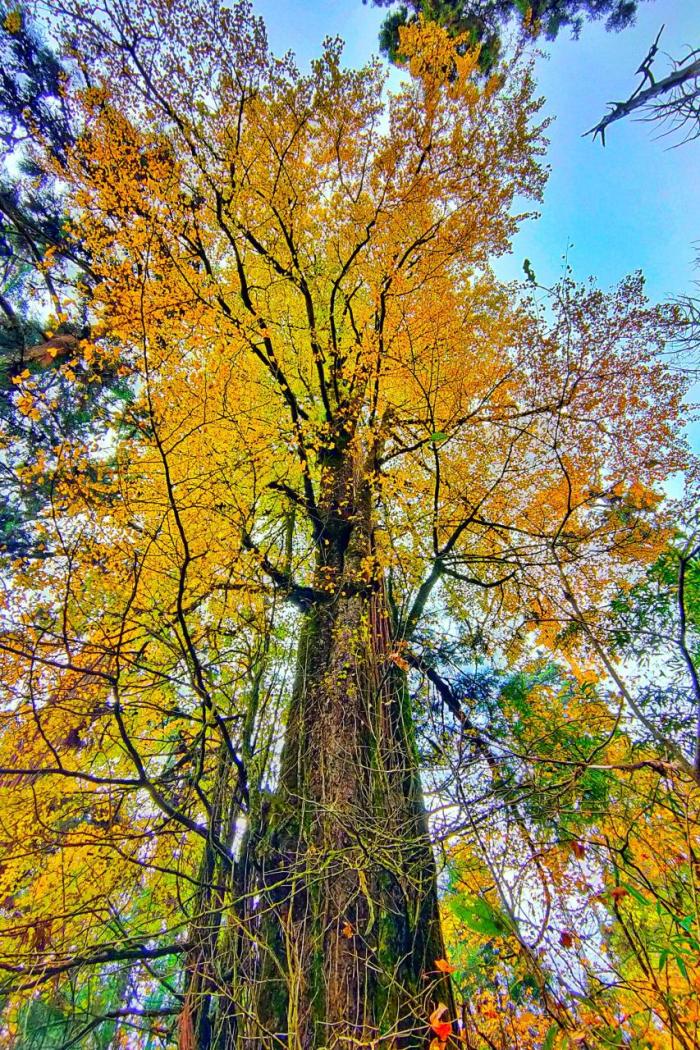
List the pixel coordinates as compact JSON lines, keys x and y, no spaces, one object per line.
{"x":29,"y":977}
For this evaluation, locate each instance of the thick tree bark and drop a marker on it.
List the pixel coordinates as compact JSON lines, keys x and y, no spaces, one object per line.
{"x":352,"y":932}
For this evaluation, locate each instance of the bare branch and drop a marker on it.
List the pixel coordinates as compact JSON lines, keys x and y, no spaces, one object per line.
{"x":674,"y":99}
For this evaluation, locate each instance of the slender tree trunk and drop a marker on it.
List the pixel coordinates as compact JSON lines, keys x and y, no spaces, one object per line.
{"x":195,"y":1030}
{"x":218,"y":962}
{"x":347,"y":868}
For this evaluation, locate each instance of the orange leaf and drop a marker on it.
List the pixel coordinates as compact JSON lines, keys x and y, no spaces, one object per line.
{"x":618,"y":893}
{"x":348,"y":930}
{"x":578,"y":849}
{"x":442,"y":1029}
{"x":398,"y":660}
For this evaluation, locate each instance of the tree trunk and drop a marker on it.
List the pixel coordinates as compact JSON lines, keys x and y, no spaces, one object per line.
{"x":219,"y":960}
{"x":348,"y":875}
{"x":195,"y":1030}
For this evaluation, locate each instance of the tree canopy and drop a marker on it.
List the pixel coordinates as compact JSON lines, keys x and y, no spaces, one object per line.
{"x":315,"y":725}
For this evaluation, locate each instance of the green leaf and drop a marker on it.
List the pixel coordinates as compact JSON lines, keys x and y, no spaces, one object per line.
{"x":518,"y":989}
{"x":634,"y":893}
{"x":438,"y":436}
{"x":478,"y":915}
{"x":550,"y":1036}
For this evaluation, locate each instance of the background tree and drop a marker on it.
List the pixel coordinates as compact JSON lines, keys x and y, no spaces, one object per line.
{"x":46,"y":282}
{"x":482,"y":22}
{"x":570,"y":914}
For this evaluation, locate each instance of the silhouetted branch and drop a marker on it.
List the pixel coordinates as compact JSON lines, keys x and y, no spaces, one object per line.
{"x":682,"y":85}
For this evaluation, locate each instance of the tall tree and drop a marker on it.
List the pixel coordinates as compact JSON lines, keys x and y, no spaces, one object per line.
{"x":342,"y":428}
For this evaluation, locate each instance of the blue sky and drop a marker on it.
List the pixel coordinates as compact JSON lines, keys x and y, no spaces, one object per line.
{"x":633,"y":205}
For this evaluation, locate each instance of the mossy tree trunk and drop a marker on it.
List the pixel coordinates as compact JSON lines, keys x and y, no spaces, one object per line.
{"x":349,"y":886}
